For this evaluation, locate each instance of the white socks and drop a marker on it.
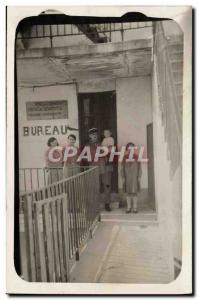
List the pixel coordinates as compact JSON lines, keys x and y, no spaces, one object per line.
{"x":129,"y":200}
{"x":135,"y":199}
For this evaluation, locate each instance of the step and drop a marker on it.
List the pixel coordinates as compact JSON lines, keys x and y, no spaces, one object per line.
{"x":177,"y":66}
{"x":175,"y":48}
{"x":178,"y":84}
{"x":114,"y":205}
{"x":180,"y":102}
{"x":176,"y":56}
{"x":139,"y":219}
{"x":178,"y":76}
{"x":179,"y":88}
{"x":180,"y":97}
{"x":175,"y":40}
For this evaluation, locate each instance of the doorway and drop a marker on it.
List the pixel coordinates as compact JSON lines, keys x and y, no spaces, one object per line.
{"x":98,"y":110}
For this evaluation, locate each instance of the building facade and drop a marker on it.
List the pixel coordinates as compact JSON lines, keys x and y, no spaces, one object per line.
{"x":125,"y":77}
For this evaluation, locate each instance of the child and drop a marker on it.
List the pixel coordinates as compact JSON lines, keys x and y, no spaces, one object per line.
{"x":108,"y":140}
{"x":131,"y":173}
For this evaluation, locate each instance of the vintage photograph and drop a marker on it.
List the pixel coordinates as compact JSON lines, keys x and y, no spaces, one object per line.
{"x":99,"y":110}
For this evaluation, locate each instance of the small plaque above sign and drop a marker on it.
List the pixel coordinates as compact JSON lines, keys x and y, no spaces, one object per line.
{"x":47,"y":110}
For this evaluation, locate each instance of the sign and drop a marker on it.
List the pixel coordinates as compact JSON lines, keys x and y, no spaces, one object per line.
{"x":47,"y":130}
{"x":47,"y":110}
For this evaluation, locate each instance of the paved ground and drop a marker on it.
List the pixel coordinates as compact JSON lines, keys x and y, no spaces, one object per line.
{"x":124,"y":249}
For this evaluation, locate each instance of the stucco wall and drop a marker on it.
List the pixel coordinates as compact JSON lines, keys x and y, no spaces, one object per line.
{"x":134,"y":113}
{"x":32,"y":148}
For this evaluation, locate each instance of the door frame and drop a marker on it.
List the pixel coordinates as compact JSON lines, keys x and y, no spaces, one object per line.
{"x":80,"y":115}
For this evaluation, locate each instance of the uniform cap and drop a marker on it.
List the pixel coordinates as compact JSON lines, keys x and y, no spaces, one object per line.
{"x":93,"y":130}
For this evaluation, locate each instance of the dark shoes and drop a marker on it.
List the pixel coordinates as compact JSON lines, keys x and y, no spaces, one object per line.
{"x":107,"y":207}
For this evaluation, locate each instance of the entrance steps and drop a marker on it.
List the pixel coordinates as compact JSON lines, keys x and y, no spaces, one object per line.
{"x":119,"y":215}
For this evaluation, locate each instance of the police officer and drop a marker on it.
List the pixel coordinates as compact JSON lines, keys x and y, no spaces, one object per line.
{"x":103,"y":168}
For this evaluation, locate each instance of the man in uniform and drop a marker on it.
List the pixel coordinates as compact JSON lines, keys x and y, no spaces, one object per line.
{"x":101,"y":163}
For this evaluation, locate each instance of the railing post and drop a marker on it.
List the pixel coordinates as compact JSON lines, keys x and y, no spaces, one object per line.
{"x":66,"y":234}
{"x":73,"y":200}
{"x":30,"y":242}
{"x":97,"y":184}
{"x":40,"y":242}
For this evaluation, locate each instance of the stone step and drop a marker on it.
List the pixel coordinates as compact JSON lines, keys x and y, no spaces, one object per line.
{"x":178,"y":88}
{"x":114,"y":205}
{"x":180,"y":98}
{"x":139,"y":220}
{"x":179,"y":84}
{"x":175,"y":40}
{"x":177,"y":66}
{"x":175,"y":48}
{"x":180,"y":102}
{"x":176,"y":56}
{"x":178,"y":76}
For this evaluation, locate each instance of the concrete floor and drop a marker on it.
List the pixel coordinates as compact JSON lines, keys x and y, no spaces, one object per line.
{"x":124,"y":249}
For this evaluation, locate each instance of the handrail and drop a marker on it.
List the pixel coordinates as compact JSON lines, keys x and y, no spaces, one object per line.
{"x":37,"y":177}
{"x":169,"y":103}
{"x":43,"y":168}
{"x":172,"y":84}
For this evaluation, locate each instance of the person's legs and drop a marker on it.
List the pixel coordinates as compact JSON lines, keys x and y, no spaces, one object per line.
{"x":107,"y":189}
{"x":128,"y":199}
{"x":135,"y":200}
{"x":101,"y":183}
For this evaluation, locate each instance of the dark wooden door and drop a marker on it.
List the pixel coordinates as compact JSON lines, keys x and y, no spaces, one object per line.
{"x":150,"y":155}
{"x":98,"y":110}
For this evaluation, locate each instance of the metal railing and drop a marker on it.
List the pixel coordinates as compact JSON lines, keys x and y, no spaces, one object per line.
{"x":171,"y":108}
{"x":56,"y":30}
{"x":46,"y":240}
{"x":31,"y":179}
{"x":52,"y":31}
{"x":82,"y":214}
